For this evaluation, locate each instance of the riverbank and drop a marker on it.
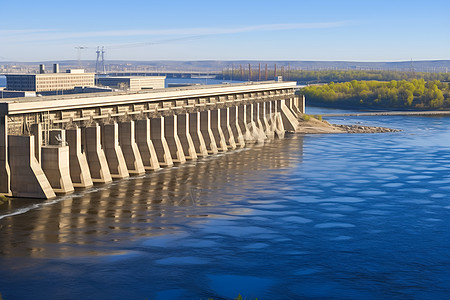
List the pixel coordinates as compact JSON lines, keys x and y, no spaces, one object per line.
{"x":393,"y":113}
{"x":315,"y":126}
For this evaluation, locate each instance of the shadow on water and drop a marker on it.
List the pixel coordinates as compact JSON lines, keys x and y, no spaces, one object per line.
{"x":94,"y":222}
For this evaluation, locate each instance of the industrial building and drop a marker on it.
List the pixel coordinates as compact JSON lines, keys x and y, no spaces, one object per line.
{"x":15,"y":94}
{"x":133,"y":83}
{"x":75,"y":81}
{"x":48,"y":82}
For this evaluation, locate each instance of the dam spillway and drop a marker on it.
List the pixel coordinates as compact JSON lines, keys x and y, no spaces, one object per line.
{"x":51,"y":145}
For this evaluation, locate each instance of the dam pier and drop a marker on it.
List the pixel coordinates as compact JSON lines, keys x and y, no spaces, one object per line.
{"x":51,"y":145}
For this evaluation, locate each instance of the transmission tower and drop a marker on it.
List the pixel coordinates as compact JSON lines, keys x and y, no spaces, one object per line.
{"x":100,"y":63}
{"x":411,"y":67}
{"x":79,"y":48}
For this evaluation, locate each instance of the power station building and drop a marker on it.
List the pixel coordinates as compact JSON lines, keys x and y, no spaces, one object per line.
{"x":48,"y":82}
{"x":133,"y":83}
{"x":76,"y":81}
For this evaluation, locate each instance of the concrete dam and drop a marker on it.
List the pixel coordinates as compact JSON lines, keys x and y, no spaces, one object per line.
{"x":51,"y":145}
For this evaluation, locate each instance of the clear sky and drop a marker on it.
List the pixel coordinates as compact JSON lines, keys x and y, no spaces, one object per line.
{"x":356,"y":30}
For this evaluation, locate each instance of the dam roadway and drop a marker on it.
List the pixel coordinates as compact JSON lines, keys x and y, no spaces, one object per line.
{"x":52,"y":145}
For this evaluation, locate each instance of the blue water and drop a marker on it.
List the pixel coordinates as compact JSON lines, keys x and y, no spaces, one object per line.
{"x":348,"y":216}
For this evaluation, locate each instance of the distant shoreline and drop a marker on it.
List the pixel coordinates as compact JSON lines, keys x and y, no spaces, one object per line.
{"x":392,"y":113}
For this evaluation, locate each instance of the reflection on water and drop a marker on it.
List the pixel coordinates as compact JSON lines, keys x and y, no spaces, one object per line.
{"x":362,"y":216}
{"x":138,"y":207}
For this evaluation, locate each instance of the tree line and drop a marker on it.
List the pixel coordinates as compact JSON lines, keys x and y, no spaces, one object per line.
{"x":326,"y":76}
{"x":414,"y":94}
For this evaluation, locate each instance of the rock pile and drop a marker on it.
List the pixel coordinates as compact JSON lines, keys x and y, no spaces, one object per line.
{"x":313,"y":125}
{"x":364,"y":129}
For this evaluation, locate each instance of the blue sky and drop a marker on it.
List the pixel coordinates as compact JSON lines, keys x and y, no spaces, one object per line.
{"x":355,"y":30}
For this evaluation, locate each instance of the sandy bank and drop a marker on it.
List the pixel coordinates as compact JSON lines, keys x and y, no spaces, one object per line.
{"x":313,"y":125}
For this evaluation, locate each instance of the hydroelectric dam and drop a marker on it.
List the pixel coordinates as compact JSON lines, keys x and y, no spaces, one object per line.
{"x":51,"y":145}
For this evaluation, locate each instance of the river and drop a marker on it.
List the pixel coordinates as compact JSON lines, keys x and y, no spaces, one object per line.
{"x":348,"y":216}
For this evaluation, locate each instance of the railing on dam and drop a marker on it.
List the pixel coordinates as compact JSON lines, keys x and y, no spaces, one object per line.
{"x":54,"y":144}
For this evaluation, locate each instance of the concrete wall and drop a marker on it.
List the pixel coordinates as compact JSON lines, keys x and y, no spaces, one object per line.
{"x":55,"y":164}
{"x":27,"y":177}
{"x":133,"y":138}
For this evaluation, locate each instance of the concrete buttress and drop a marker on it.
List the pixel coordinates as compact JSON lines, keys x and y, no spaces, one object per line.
{"x":265,"y":122}
{"x":78,"y":165}
{"x":159,"y":142}
{"x":55,"y":164}
{"x":226,"y":128}
{"x":257,"y":107}
{"x":98,"y":166}
{"x":145,"y":145}
{"x":243,"y":124}
{"x":235,"y":127}
{"x":196,"y":134}
{"x":205,"y":129}
{"x":130,"y":149}
{"x":172,"y":139}
{"x":290,"y":121}
{"x":251,"y":111}
{"x":113,"y":151}
{"x":216,"y":129}
{"x":279,"y":125}
{"x":185,"y":137}
{"x":27,"y":177}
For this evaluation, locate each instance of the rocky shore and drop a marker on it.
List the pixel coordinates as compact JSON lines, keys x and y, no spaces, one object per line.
{"x":365,"y":129}
{"x":312,"y":125}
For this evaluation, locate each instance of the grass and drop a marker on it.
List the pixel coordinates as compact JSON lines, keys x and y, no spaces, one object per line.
{"x":3,"y":199}
{"x":306,"y":117}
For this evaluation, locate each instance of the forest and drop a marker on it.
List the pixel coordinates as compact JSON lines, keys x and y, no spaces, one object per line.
{"x":326,"y":76}
{"x":410,"y":94}
{"x":348,"y":75}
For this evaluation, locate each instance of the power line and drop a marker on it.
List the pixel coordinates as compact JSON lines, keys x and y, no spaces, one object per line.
{"x":143,"y":44}
{"x":79,"y":48}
